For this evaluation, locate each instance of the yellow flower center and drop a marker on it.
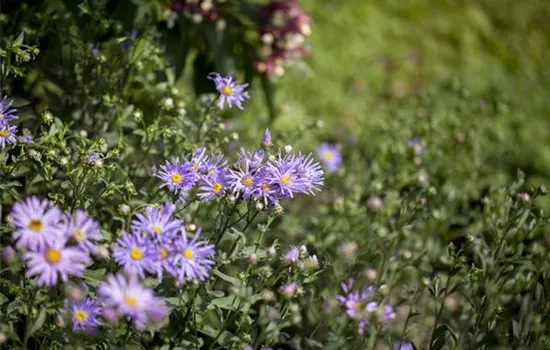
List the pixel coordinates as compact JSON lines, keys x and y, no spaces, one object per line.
{"x":163,"y":253}
{"x":265,"y":187}
{"x":53,"y":256}
{"x":36,"y":225}
{"x":79,"y":235}
{"x":4,"y":133}
{"x":196,"y":167}
{"x":247,"y":181}
{"x":226,"y":90}
{"x":217,"y":187}
{"x":136,"y":254}
{"x":80,"y":316}
{"x":130,"y":300}
{"x":157,"y":229}
{"x":285,"y":180}
{"x":328,"y":155}
{"x":188,"y":254}
{"x":176,"y":178}
{"x":211,"y":171}
{"x":357,"y":306}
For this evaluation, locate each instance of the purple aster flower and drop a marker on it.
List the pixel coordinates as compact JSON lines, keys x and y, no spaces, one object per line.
{"x":292,"y":255}
{"x":402,"y":346}
{"x":84,"y":230}
{"x":83,"y":313}
{"x":198,"y":159}
{"x":129,"y":298}
{"x":55,"y":261}
{"x":244,"y":179}
{"x":213,"y":167}
{"x":284,"y":176}
{"x":266,"y":139}
{"x":159,"y":223}
{"x":7,"y":135}
{"x":264,"y":189}
{"x":7,"y":114}
{"x":230,"y":91}
{"x":36,"y":222}
{"x":415,"y":144}
{"x":26,"y":139}
{"x":289,"y":290}
{"x":93,"y":157}
{"x":213,"y":187}
{"x":388,"y":313}
{"x":355,"y":302}
{"x":166,"y":253}
{"x":178,"y":177}
{"x":254,"y":158}
{"x":136,"y":254}
{"x":330,"y":156}
{"x":310,"y":171}
{"x":192,"y":258}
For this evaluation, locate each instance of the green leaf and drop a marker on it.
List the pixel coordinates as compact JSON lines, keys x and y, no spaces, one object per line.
{"x":39,"y":322}
{"x":93,"y":277}
{"x":17,"y":42}
{"x":234,"y":281}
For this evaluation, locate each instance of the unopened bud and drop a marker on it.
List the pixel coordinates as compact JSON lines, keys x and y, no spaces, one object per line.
{"x":288,"y":148}
{"x":8,"y":255}
{"x":375,"y":203}
{"x":124,"y":209}
{"x":371,"y":274}
{"x":266,"y":140}
{"x":347,"y":249}
{"x":253,"y":258}
{"x":271,"y":251}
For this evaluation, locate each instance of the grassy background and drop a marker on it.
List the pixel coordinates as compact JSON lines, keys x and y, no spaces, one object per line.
{"x":370,"y":55}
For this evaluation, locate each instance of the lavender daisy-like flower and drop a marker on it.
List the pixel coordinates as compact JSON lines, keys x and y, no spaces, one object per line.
{"x":159,"y":223}
{"x":231,"y":92}
{"x":26,"y":139}
{"x":192,"y":258}
{"x":55,"y":261}
{"x":84,"y":230}
{"x":213,"y":187}
{"x":214,"y":166}
{"x":402,"y":346}
{"x":7,"y":113}
{"x":264,"y":189}
{"x":7,"y":135}
{"x":416,"y":145}
{"x":253,"y":158}
{"x":283,"y":174}
{"x":165,"y":261}
{"x":330,"y":156}
{"x":129,"y":298}
{"x":93,"y":157}
{"x":83,"y":313}
{"x":178,"y":177}
{"x":355,"y":302}
{"x":388,"y":313}
{"x":198,"y":159}
{"x":244,"y":179}
{"x":292,"y":255}
{"x":310,"y":172}
{"x":36,"y":222}
{"x":136,"y":254}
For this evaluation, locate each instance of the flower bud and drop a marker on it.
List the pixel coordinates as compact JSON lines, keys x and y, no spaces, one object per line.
{"x":375,"y":203}
{"x":271,"y":251}
{"x":290,"y":289}
{"x":253,"y":258}
{"x":347,"y":249}
{"x":288,"y":148}
{"x":266,"y":140}
{"x":124,"y":209}
{"x":8,"y":255}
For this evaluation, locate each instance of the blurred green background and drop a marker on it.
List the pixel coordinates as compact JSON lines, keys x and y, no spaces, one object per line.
{"x":369,"y":54}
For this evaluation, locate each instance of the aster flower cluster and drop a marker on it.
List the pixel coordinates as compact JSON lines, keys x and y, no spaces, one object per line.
{"x":284,"y":25}
{"x":158,"y":245}
{"x":254,"y":176}
{"x":197,"y":9}
{"x":7,"y":131}
{"x":118,"y":297}
{"x":57,"y":244}
{"x":360,"y":306}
